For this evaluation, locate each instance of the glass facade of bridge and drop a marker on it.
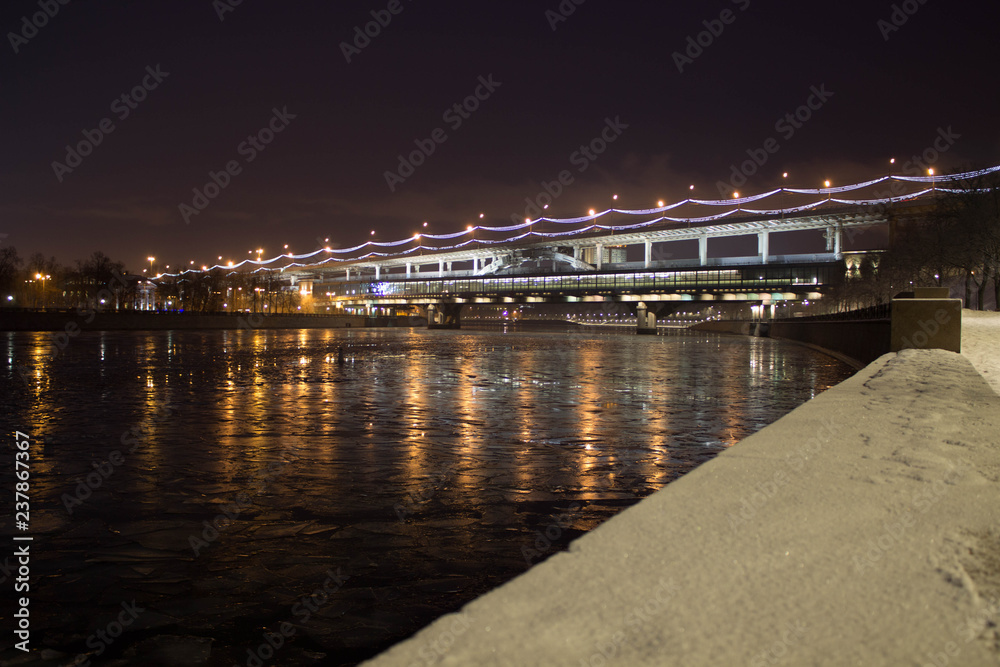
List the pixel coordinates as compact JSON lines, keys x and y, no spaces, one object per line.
{"x":762,"y":278}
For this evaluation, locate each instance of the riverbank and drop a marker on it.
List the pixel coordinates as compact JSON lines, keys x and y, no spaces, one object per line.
{"x":859,"y":529}
{"x":72,"y":322}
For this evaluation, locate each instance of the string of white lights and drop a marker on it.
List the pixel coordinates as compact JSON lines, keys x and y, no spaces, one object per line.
{"x":738,"y":202}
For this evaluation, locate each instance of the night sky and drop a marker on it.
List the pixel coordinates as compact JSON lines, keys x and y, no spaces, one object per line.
{"x":216,"y":74}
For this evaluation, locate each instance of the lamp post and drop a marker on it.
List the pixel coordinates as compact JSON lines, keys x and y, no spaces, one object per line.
{"x":42,"y":279}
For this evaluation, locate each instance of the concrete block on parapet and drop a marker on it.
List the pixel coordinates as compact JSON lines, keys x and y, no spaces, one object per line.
{"x":926,"y":323}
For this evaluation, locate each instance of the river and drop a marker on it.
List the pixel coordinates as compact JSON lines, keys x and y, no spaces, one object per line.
{"x":199,"y":487}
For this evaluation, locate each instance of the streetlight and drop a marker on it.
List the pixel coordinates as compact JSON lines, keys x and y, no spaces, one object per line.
{"x":42,"y":278}
{"x":930,"y":172}
{"x":151,"y":260}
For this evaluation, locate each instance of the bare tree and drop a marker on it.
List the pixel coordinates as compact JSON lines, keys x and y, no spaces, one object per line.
{"x":10,"y":264}
{"x":971,"y":214}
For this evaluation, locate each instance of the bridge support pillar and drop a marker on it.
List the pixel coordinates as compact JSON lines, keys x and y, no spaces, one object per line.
{"x":763,"y":243}
{"x":441,"y":268}
{"x":645,"y":320}
{"x":649,"y":253}
{"x":834,"y":240}
{"x":409,"y":269}
{"x":378,"y":272}
{"x":703,"y":250}
{"x":576,"y":252}
{"x":448,"y":265}
{"x":599,"y":260}
{"x":444,"y":316}
{"x":348,"y":274}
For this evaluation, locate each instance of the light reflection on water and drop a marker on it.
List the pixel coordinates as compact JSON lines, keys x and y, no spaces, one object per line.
{"x":475,"y":438}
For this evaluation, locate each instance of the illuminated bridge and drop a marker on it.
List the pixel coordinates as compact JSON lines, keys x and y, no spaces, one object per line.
{"x":598,"y":266}
{"x":790,"y":245}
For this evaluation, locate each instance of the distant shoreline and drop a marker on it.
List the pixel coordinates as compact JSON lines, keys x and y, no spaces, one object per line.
{"x":73,"y":322}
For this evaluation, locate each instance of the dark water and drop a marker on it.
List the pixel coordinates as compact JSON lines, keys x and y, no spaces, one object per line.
{"x":424,"y":470}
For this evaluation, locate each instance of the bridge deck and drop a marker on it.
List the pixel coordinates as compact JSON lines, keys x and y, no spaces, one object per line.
{"x":767,"y":278}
